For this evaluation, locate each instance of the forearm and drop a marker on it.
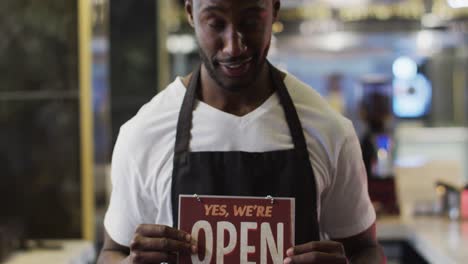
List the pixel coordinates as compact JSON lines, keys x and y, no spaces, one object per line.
{"x":112,"y":257}
{"x":369,"y":255}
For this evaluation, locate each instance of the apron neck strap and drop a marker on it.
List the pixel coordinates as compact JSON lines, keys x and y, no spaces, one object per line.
{"x":184,"y":123}
{"x":295,"y":127}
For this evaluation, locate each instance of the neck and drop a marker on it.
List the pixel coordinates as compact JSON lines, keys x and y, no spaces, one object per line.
{"x":237,"y":103}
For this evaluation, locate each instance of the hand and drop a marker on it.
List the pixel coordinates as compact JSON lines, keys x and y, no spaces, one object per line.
{"x":322,"y":252}
{"x":158,"y":243}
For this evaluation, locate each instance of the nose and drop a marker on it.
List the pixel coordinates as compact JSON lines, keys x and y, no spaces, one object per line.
{"x":234,"y":45}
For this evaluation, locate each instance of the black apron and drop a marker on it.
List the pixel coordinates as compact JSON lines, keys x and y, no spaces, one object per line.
{"x":283,"y":173}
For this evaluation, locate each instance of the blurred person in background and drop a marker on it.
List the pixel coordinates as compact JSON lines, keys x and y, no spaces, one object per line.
{"x":376,"y":111}
{"x":335,"y":95}
{"x":238,"y":126}
{"x":377,"y":151}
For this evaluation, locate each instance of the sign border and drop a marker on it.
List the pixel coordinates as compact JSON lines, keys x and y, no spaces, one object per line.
{"x":291,"y":199}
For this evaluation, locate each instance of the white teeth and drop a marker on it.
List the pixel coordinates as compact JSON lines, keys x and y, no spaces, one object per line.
{"x":234,"y":66}
{"x":237,"y":65}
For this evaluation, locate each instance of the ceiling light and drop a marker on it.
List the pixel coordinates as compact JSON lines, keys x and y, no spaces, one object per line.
{"x":457,"y":3}
{"x":405,"y":68}
{"x":183,"y":44}
{"x":345,"y":3}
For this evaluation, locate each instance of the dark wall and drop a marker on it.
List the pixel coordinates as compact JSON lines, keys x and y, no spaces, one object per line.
{"x":39,"y":117}
{"x":440,"y":68}
{"x":133,"y":52}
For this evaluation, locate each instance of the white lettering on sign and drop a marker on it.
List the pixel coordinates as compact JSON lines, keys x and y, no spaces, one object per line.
{"x":206,"y":227}
{"x":245,"y":248}
{"x":222,"y":250}
{"x":267,"y":239}
{"x":268,"y":243}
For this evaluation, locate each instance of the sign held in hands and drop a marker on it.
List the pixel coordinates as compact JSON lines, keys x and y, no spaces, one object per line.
{"x":231,"y":229}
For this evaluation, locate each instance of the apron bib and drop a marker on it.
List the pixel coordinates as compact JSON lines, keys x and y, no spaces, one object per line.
{"x":283,"y":173}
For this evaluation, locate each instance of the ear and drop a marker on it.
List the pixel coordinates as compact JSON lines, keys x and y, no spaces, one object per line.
{"x":276,"y":9}
{"x":189,"y":12}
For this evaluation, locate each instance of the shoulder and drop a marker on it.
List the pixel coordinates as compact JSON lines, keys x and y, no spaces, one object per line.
{"x":318,"y":118}
{"x":326,"y":131}
{"x":158,"y":109}
{"x":154,"y":123}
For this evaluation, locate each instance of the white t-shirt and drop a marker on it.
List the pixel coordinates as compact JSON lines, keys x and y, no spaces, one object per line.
{"x":142,"y":161}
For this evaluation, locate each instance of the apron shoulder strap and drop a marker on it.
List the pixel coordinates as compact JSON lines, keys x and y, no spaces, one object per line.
{"x":294,"y":123}
{"x":184,"y":123}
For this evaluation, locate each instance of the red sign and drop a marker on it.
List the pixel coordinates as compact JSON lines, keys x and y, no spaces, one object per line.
{"x":237,"y":229}
{"x":464,"y":204}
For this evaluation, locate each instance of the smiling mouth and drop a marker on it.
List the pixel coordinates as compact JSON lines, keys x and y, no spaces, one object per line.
{"x":237,"y":64}
{"x":236,"y":69}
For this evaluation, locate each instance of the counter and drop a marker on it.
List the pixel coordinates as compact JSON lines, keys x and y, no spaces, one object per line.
{"x":71,"y":252}
{"x":438,"y":240}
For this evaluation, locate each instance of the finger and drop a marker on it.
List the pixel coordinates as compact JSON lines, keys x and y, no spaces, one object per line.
{"x":320,"y":246}
{"x":143,"y":257}
{"x":163,"y":231}
{"x":316,"y":257}
{"x":161,"y":244}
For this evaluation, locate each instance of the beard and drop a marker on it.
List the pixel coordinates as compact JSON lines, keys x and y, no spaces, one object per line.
{"x":234,"y":85}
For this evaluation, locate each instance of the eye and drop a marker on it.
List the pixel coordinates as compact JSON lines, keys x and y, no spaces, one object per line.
{"x":251,"y":24}
{"x":216,"y":24}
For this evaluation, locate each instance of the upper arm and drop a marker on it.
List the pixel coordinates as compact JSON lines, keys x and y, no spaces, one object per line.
{"x":130,"y":205}
{"x":346,"y":207}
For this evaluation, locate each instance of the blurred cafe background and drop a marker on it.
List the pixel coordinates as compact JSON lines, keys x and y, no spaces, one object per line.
{"x":72,"y":72}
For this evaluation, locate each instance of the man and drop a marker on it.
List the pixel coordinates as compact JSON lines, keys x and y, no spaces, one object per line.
{"x":238,"y":126}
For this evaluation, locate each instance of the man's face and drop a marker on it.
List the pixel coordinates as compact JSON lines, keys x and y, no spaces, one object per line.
{"x":234,"y":37}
